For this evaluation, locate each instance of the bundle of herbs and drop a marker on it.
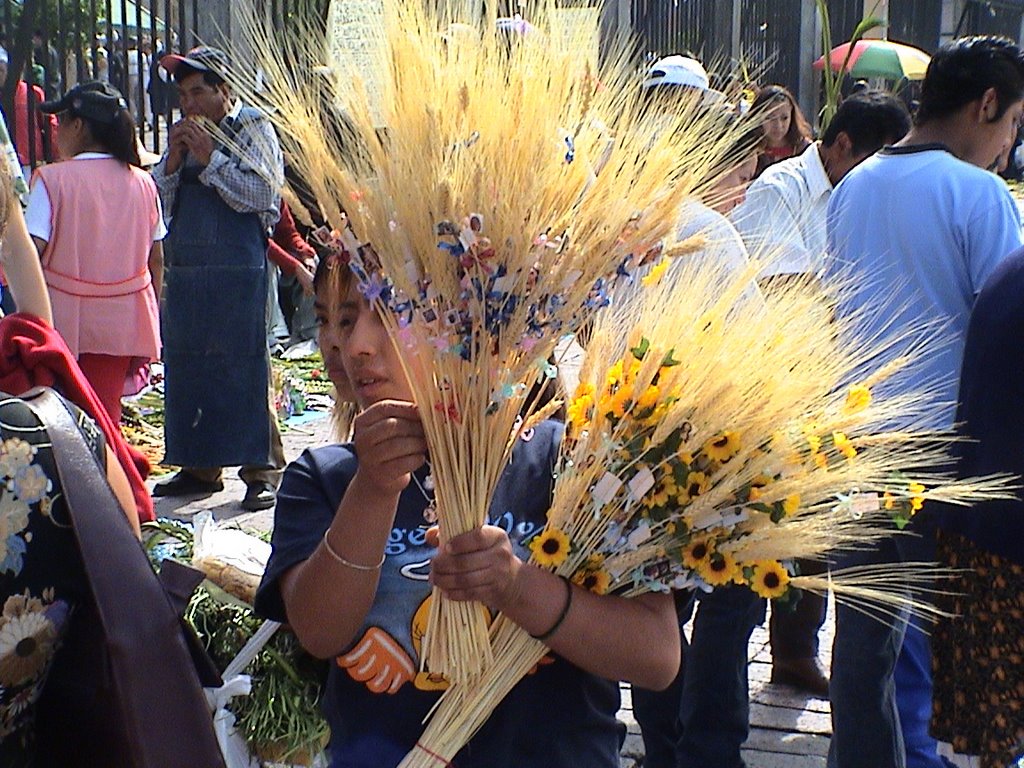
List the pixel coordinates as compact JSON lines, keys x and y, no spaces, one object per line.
{"x":280,"y":719}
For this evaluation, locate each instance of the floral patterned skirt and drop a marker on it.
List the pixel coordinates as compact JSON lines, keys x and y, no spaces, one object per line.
{"x":978,"y":656}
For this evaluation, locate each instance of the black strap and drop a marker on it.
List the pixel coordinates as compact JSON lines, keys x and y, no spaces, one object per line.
{"x":164,"y":710}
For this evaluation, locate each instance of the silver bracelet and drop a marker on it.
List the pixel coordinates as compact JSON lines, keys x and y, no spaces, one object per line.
{"x":348,"y":563}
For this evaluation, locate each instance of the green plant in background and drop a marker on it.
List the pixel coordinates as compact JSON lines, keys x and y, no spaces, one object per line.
{"x":834,"y":80}
{"x":280,"y":719}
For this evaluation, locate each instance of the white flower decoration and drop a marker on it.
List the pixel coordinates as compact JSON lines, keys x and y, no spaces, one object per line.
{"x":15,"y":454}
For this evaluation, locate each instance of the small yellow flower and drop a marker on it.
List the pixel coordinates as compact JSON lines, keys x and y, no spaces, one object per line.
{"x":757,"y":485}
{"x":821,"y":460}
{"x":663,"y":492}
{"x":791,"y":504}
{"x":888,"y":501}
{"x":649,"y":399}
{"x":579,"y":412}
{"x":615,"y":375}
{"x":614,"y":403}
{"x":723,"y":447}
{"x":844,"y":445}
{"x":654,"y":276}
{"x":813,"y":442}
{"x":697,"y":552}
{"x":550,"y":547}
{"x":916,"y":497}
{"x":596,"y":581}
{"x":695,"y":485}
{"x":857,"y":399}
{"x":685,"y":457}
{"x":770,"y":579}
{"x":719,"y":569}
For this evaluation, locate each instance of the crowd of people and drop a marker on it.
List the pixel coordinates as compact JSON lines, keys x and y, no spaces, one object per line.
{"x":906,"y":209}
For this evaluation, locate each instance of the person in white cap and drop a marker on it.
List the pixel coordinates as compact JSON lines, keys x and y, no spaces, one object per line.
{"x":678,"y":70}
{"x":702,"y":719}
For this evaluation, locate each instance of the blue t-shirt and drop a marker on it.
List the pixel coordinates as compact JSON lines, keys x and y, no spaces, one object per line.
{"x":917,"y":232}
{"x":376,"y":700}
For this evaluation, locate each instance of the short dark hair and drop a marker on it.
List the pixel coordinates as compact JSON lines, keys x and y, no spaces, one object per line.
{"x":209,"y":76}
{"x":962,"y":70}
{"x":747,"y":142}
{"x":870,"y":119}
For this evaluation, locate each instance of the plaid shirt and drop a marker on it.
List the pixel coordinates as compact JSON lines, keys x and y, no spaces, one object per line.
{"x":248,"y":177}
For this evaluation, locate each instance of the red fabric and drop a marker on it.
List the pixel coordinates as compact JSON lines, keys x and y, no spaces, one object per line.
{"x":41,"y":120}
{"x":106,"y":374}
{"x":286,"y":241}
{"x":32,"y":354}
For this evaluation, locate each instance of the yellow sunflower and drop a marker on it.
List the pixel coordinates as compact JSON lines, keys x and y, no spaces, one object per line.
{"x":719,"y":569}
{"x":595,"y":581}
{"x":615,"y":374}
{"x":662,"y":493}
{"x":770,"y":579}
{"x":579,"y":412}
{"x":697,"y":552}
{"x":614,"y":403}
{"x":723,"y":447}
{"x":695,"y":485}
{"x":550,"y":547}
{"x":758,"y":484}
{"x":791,"y":504}
{"x":844,"y":445}
{"x":857,"y":399}
{"x":649,"y":398}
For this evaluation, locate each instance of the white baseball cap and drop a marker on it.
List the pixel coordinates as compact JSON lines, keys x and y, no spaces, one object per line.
{"x":678,"y":70}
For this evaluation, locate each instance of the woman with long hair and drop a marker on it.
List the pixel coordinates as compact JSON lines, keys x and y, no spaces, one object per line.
{"x":786,"y":130}
{"x":97,"y":224}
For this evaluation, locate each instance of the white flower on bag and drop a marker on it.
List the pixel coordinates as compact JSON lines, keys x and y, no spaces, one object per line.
{"x":15,"y":454}
{"x":26,"y":640}
{"x":31,"y":483}
{"x":14,"y":515}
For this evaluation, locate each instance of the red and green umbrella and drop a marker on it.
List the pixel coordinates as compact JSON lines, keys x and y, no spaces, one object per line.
{"x":878,"y":58}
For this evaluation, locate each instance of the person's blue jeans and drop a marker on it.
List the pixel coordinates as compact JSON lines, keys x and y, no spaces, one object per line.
{"x":703,"y":719}
{"x":913,"y":678}
{"x":868,"y":724}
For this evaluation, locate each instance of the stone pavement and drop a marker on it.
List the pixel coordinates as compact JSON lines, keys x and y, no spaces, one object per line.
{"x":787,"y":729}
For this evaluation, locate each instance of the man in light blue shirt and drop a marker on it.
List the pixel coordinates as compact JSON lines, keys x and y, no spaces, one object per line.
{"x":917,"y":229}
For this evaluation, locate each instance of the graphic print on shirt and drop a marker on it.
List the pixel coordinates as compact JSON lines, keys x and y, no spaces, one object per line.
{"x":387,"y":654}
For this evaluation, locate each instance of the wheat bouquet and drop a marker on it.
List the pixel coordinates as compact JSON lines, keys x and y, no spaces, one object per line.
{"x":713,"y":439}
{"x":486,"y":197}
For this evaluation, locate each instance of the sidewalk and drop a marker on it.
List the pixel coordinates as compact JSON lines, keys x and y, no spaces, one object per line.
{"x":787,"y":729}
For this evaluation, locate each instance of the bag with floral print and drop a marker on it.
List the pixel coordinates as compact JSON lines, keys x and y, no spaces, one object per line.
{"x":124,"y":690}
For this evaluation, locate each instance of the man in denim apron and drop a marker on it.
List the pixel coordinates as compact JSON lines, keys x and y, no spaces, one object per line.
{"x":220,"y":182}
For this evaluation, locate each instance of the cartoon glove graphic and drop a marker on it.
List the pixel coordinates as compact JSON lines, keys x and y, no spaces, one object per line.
{"x":378,"y":661}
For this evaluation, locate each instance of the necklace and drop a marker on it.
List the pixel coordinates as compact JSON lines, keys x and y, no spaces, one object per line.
{"x":427,"y":489}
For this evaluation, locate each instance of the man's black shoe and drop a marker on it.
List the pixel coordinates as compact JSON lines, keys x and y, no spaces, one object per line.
{"x":186,"y":484}
{"x":259,"y":495}
{"x":803,"y":674}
